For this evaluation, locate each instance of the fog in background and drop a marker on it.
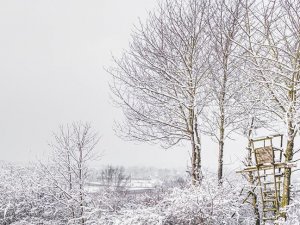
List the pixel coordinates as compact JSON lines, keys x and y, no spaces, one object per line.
{"x":52,"y":55}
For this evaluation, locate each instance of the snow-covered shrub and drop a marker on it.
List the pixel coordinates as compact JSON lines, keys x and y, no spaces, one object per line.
{"x":293,"y":210}
{"x":293,"y":213}
{"x":206,"y":204}
{"x":21,"y":195}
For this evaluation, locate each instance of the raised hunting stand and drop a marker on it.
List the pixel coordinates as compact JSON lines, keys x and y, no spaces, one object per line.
{"x":268,"y":172}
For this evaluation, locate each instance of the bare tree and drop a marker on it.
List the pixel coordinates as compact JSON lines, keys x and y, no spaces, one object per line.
{"x":226,"y":79}
{"x":114,"y":177}
{"x":272,"y":49}
{"x":73,"y":148}
{"x":158,"y":81}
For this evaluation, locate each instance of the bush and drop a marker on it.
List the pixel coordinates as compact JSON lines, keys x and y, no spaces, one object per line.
{"x":206,"y":204}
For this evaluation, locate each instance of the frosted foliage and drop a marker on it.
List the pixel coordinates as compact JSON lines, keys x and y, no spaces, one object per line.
{"x":293,"y":212}
{"x":22,"y":198}
{"x":25,"y":199}
{"x":206,"y":204}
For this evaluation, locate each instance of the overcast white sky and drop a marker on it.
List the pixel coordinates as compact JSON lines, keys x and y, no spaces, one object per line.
{"x":52,"y":54}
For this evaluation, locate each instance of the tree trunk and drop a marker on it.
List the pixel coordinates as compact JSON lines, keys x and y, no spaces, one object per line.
{"x":81,"y":184}
{"x":288,"y":172}
{"x":221,"y":154}
{"x":222,"y":122}
{"x":251,"y":177}
{"x":196,"y":151}
{"x":285,"y":201}
{"x":221,"y":135}
{"x":70,"y":180}
{"x":196,"y":160}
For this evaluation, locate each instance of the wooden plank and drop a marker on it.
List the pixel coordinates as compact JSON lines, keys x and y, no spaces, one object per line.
{"x":261,"y":138}
{"x":267,"y":166}
{"x":265,"y":137}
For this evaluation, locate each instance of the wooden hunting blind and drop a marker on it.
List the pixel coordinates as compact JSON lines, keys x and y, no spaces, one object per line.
{"x":268,"y":172}
{"x":264,"y":155}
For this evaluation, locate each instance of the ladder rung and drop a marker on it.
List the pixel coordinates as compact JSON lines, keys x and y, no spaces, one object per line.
{"x":271,"y":174}
{"x":264,"y":175}
{"x":278,"y":174}
{"x":269,"y":182}
{"x":269,"y":209}
{"x":269,"y":200}
{"x":271,"y":218}
{"x":269,"y":195}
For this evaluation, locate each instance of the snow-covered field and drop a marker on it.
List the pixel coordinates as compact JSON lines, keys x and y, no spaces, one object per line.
{"x":133,"y":186}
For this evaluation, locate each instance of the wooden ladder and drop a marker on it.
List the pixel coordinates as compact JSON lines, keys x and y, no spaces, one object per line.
{"x":269,"y":176}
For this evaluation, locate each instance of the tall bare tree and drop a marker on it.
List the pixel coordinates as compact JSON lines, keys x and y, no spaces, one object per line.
{"x":158,"y":81}
{"x":272,"y":49}
{"x":226,"y":80}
